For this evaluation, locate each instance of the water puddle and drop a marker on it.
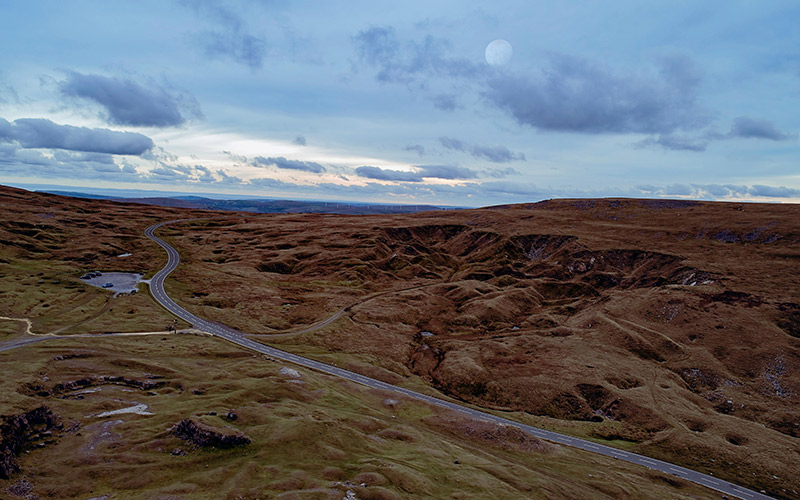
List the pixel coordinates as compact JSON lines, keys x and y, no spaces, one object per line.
{"x":137,"y":409}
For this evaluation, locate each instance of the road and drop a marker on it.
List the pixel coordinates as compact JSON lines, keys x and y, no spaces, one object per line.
{"x":227,"y":333}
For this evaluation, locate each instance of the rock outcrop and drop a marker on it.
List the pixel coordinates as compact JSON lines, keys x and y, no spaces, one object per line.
{"x":16,"y":431}
{"x":200,"y":434}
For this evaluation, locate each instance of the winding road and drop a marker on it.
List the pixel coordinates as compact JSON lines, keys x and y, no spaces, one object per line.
{"x":227,"y":333}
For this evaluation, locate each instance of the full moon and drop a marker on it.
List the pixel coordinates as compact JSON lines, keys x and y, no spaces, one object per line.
{"x":498,"y":53}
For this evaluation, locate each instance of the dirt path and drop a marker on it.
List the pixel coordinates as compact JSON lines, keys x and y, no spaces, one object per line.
{"x":31,"y":338}
{"x":24,"y":320}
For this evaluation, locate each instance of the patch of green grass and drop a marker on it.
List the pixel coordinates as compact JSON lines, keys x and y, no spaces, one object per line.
{"x":51,"y":295}
{"x":307,"y":433}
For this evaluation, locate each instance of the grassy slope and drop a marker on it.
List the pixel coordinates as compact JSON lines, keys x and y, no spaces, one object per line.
{"x":309,"y":435}
{"x":334,"y":261}
{"x":47,"y":242}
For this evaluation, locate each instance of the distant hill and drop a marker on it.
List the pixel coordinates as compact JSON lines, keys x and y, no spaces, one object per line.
{"x":264,"y":206}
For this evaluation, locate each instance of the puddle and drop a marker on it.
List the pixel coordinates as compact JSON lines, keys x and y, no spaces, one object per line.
{"x":116,"y":282}
{"x":138,"y":409}
{"x":124,"y":255}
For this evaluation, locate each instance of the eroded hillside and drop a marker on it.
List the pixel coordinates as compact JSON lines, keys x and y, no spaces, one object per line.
{"x":666,"y":327}
{"x":669,"y":327}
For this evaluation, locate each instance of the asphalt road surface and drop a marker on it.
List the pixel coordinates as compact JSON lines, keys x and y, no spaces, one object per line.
{"x":227,"y":333}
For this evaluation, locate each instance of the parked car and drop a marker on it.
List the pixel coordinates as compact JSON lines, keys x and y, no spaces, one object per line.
{"x":108,"y":285}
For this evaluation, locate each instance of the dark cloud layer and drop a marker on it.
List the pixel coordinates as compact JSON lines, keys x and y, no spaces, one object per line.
{"x":754,"y":128}
{"x":383,"y":174}
{"x":447,"y":172}
{"x":420,"y":150}
{"x":15,"y":160}
{"x":129,"y":103}
{"x":674,"y":143}
{"x":567,"y":94}
{"x":40,"y":133}
{"x":410,"y":61}
{"x":242,"y":48}
{"x":577,"y":95}
{"x":231,"y":40}
{"x":281,"y":162}
{"x":496,"y":154}
{"x":451,"y":143}
{"x":450,"y":172}
{"x":711,"y":191}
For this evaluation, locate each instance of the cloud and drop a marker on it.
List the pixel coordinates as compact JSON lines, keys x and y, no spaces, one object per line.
{"x":746,"y":127}
{"x":281,"y":162}
{"x":242,"y":48}
{"x":236,"y":158}
{"x":15,"y":160}
{"x":129,"y":103}
{"x":674,"y":143}
{"x":451,"y":143}
{"x":231,"y":40}
{"x":382,"y":174}
{"x":494,"y":154}
{"x":409,"y":61}
{"x":7,"y":93}
{"x":168,"y":174}
{"x":445,"y":102}
{"x":299,"y":140}
{"x":41,"y":133}
{"x":498,"y":173}
{"x":449,"y":172}
{"x":577,"y":95}
{"x":567,"y":94}
{"x":721,"y":191}
{"x":415,"y":147}
{"x":774,"y":192}
{"x":204,"y":174}
{"x":742,"y":128}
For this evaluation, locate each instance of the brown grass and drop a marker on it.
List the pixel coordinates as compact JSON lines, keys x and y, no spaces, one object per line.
{"x":607,"y":313}
{"x":669,"y":328}
{"x":314,"y":439}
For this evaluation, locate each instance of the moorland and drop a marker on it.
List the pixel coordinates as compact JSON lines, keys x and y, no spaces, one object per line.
{"x":666,"y":327}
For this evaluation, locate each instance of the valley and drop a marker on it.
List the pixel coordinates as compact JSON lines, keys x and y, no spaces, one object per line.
{"x":661,"y":327}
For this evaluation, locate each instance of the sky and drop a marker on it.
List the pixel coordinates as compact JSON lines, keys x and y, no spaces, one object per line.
{"x":396,"y":102}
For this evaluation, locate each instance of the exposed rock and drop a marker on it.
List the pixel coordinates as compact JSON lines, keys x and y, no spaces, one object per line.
{"x":203,"y":435}
{"x":73,"y":385}
{"x":290,"y":372}
{"x":17,"y":431}
{"x":22,"y":488}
